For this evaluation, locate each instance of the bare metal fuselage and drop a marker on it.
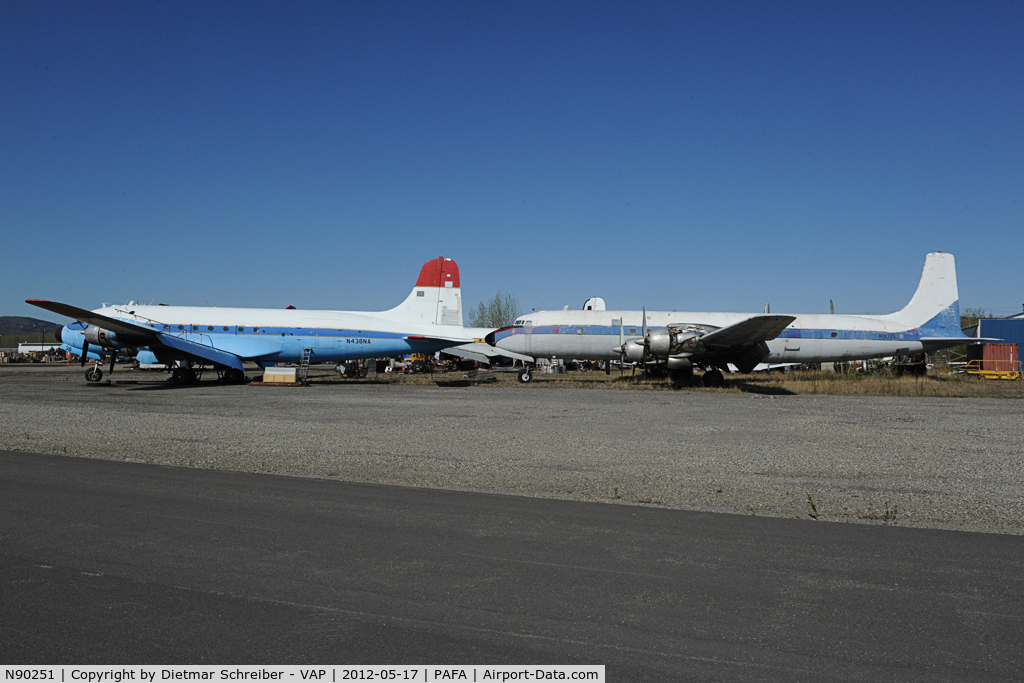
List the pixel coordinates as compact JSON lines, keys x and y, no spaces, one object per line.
{"x":595,"y":335}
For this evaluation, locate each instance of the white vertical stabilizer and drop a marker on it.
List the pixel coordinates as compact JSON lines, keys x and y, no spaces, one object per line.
{"x":936,"y":294}
{"x":435,"y":300}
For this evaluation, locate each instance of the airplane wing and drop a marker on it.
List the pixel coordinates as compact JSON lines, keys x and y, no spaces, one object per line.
{"x":82,"y":315}
{"x":746,"y":333}
{"x":199,"y":352}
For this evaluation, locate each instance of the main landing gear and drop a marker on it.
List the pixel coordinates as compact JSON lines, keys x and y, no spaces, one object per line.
{"x":682,"y":378}
{"x":714,"y":378}
{"x":233,"y":376}
{"x":184,"y":376}
{"x":181,"y":376}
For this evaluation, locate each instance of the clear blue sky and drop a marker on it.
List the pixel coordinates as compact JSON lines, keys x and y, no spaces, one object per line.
{"x":683,"y":155}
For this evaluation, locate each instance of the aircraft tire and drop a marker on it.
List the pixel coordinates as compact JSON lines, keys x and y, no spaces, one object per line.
{"x":179,"y":376}
{"x":93,"y":375}
{"x":525,"y":376}
{"x":681,"y":379}
{"x":714,"y":378}
{"x":233,"y":376}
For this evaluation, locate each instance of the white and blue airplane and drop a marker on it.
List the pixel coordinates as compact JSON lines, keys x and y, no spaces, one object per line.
{"x":180,"y":337}
{"x":681,"y":341}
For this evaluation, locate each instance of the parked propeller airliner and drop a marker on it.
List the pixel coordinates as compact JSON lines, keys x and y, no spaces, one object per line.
{"x":682,"y":341}
{"x":179,"y":337}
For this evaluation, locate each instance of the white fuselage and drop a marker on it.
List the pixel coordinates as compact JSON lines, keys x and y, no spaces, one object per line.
{"x":811,"y":338}
{"x":277,"y":335}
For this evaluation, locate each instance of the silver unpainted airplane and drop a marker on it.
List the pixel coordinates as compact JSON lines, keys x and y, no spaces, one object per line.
{"x":680,"y":342}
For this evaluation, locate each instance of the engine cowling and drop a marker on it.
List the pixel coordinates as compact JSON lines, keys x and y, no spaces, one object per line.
{"x":634,"y":351}
{"x":659,"y":342}
{"x":98,"y":336}
{"x":672,"y":341}
{"x":679,"y":363}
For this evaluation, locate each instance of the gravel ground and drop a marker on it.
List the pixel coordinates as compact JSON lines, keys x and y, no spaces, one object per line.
{"x":923,"y":462}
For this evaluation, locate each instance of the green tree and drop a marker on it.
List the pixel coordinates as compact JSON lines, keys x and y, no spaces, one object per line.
{"x":501,"y":311}
{"x":971,"y":316}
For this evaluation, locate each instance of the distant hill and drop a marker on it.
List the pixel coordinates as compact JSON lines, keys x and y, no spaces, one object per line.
{"x":20,"y":325}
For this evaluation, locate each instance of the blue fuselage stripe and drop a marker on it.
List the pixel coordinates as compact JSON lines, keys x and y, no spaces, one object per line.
{"x":613,"y":331}
{"x":282,"y":344}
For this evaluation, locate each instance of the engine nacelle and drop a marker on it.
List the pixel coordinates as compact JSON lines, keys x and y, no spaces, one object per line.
{"x":659,"y":342}
{"x":634,"y":351}
{"x":98,"y":336}
{"x":678,"y":363}
{"x":671,"y":341}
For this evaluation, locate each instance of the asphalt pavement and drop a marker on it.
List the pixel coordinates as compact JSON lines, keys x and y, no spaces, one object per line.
{"x":954,"y":464}
{"x":114,"y":562}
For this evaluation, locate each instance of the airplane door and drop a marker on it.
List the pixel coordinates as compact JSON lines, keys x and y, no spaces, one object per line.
{"x":528,"y":337}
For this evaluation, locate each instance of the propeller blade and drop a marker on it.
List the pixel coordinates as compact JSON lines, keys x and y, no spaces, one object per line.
{"x":647,"y":343}
{"x":85,"y":352}
{"x":113,"y":358}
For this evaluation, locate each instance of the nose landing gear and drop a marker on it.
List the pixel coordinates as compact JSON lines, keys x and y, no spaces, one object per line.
{"x":95,"y":374}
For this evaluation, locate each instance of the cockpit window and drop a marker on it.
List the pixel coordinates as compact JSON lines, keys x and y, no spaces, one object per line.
{"x":518,"y":323}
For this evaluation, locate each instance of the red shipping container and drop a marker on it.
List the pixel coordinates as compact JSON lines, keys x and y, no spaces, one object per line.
{"x":995,"y":356}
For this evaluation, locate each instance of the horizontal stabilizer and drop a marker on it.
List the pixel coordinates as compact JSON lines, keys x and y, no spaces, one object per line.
{"x":960,"y":340}
{"x":485,"y":353}
{"x":753,"y":330}
{"x":425,"y":339}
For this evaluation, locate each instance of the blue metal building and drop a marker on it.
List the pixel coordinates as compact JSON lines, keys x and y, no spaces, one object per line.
{"x":1009,"y":330}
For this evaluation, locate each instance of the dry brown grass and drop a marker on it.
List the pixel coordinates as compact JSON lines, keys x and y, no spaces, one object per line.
{"x":935,"y":384}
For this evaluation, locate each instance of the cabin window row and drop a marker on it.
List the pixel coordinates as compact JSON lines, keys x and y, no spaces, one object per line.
{"x":209,"y":328}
